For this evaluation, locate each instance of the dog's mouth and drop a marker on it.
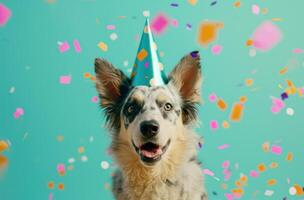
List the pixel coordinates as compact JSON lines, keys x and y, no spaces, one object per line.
{"x":150,"y":152}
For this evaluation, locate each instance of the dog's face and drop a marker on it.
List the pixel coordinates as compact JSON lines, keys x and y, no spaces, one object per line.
{"x":150,"y":119}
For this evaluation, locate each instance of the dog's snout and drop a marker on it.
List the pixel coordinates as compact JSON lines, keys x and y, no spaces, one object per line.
{"x":149,"y":129}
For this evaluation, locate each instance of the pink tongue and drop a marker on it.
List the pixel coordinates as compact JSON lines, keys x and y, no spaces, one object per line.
{"x":152,"y":154}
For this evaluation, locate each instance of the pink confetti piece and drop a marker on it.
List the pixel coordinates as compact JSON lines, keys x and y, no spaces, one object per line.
{"x":255,"y":9}
{"x":212,"y":97}
{"x":64,"y":47}
{"x":5,"y":14}
{"x":278,"y":102}
{"x":229,"y":196}
{"x":275,"y":109}
{"x":77,"y":46}
{"x":111,"y":27}
{"x":94,"y":99}
{"x":65,"y":80}
{"x":60,"y":168}
{"x":174,"y":23}
{"x":214,"y":124}
{"x":226,"y":164}
{"x":216,"y":49}
{"x":298,"y":50}
{"x":266,"y":36}
{"x":254,"y":173}
{"x":208,"y":172}
{"x":224,"y":146}
{"x":51,"y":196}
{"x":159,"y":24}
{"x":276,"y":149}
{"x":19,"y":112}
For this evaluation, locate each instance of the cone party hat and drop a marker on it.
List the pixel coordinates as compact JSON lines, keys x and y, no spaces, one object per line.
{"x":147,"y":69}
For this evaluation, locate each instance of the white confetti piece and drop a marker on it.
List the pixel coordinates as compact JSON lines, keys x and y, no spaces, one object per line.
{"x":289,"y":111}
{"x":84,"y":158}
{"x":113,"y":36}
{"x":104,"y":165}
{"x":292,"y":191}
{"x":268,"y":193}
{"x":71,"y":160}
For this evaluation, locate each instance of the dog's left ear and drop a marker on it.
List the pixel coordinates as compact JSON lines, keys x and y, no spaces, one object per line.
{"x":187,"y":79}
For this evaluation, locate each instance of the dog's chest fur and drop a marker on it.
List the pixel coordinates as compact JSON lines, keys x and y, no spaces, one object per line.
{"x":186,"y":184}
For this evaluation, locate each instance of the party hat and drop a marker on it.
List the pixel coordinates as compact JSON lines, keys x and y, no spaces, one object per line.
{"x":147,"y":69}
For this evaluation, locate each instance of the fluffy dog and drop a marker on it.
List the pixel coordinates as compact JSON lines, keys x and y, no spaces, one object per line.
{"x":152,"y":138}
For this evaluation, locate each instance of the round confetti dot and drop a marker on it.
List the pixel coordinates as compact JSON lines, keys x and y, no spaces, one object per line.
{"x":103,"y":46}
{"x":81,"y":149}
{"x":152,"y":82}
{"x":243,"y":99}
{"x":86,"y":75}
{"x":113,"y":36}
{"x":71,"y":160}
{"x":216,"y":49}
{"x":213,"y":124}
{"x":104,"y":165}
{"x":51,"y":185}
{"x":249,"y":42}
{"x":289,"y":111}
{"x":225,"y":124}
{"x":249,"y":82}
{"x":255,"y":9}
{"x":61,"y":186}
{"x":60,"y":138}
{"x":237,"y":4}
{"x":292,"y":191}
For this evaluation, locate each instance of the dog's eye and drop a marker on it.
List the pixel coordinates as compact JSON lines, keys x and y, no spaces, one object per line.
{"x":131,"y":109}
{"x":168,"y":107}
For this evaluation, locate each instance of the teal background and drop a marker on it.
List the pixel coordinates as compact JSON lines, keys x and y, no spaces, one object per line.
{"x":31,"y":62}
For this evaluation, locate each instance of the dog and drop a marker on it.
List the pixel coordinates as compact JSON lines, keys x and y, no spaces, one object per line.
{"x":153,"y":141}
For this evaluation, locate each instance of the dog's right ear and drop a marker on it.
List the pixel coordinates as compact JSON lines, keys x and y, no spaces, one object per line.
{"x":111,"y":83}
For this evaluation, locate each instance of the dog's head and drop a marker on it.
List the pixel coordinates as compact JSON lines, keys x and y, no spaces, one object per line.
{"x":149,"y":120}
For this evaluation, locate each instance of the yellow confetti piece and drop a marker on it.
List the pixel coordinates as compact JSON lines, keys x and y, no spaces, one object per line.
{"x":289,"y":156}
{"x":221,"y":104}
{"x":225,"y":124}
{"x":3,"y":145}
{"x":103,"y":46}
{"x":249,"y":82}
{"x":261,"y":167}
{"x":273,"y":165}
{"x":192,"y":2}
{"x":266,"y":147}
{"x":271,"y":182}
{"x":142,"y":54}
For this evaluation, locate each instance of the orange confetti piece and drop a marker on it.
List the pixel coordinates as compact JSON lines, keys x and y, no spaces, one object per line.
{"x":237,"y":112}
{"x":3,"y":161}
{"x":249,"y":82}
{"x":103,"y":46}
{"x":93,"y":78}
{"x":249,"y":42}
{"x":238,"y":183}
{"x":51,"y":185}
{"x":86,"y":75}
{"x":298,"y":189}
{"x":3,"y":145}
{"x":271,"y":182}
{"x":261,"y":167}
{"x":208,"y":32}
{"x":81,"y":149}
{"x":238,"y":191}
{"x":61,"y":186}
{"x":237,"y":4}
{"x":221,"y":104}
{"x":192,"y":2}
{"x":284,"y":70}
{"x":142,"y":54}
{"x":266,"y":147}
{"x":289,"y":156}
{"x":243,"y":99}
{"x":273,"y":165}
{"x":244,"y":179}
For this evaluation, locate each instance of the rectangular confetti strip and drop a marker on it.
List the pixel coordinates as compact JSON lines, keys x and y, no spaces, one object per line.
{"x":65,"y":80}
{"x":77,"y":46}
{"x":237,"y":111}
{"x":63,"y":47}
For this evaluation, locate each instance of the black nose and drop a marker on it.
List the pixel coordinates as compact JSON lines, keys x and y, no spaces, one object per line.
{"x":149,"y":128}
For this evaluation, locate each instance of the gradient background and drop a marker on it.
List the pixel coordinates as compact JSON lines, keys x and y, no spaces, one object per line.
{"x":31,"y":63}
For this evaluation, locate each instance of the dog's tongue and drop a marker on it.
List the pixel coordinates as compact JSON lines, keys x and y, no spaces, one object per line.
{"x":152,"y":153}
{"x":150,"y":150}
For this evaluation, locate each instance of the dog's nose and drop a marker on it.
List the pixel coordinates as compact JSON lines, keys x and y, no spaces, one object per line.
{"x":149,"y":129}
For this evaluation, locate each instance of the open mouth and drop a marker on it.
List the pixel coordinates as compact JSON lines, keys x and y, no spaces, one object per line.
{"x":151,"y":152}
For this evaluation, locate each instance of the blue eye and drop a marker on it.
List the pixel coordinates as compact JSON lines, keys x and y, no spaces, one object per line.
{"x":168,"y":107}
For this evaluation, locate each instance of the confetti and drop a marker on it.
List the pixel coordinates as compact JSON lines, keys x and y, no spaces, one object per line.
{"x":221,"y":104}
{"x":266,"y":36}
{"x":159,"y":24}
{"x":213,"y":124}
{"x":146,"y":13}
{"x":61,"y":186}
{"x":103,"y":46}
{"x":111,"y":27}
{"x":5,"y":14}
{"x":212,"y":97}
{"x":269,"y":193}
{"x":254,"y":173}
{"x":290,"y":111}
{"x":208,"y":32}
{"x":64,"y":46}
{"x":3,"y":145}
{"x":236,"y":112}
{"x":208,"y":172}
{"x":19,"y":112}
{"x":261,"y":167}
{"x":192,"y":2}
{"x":271,"y":182}
{"x":65,"y":80}
{"x":216,"y":49}
{"x":113,"y":36}
{"x":77,"y":46}
{"x":226,"y":164}
{"x":255,"y":9}
{"x":104,"y":165}
{"x":3,"y":162}
{"x":224,"y":146}
{"x":225,"y":124}
{"x":289,"y":156}
{"x":94,"y":99}
{"x":276,"y":149}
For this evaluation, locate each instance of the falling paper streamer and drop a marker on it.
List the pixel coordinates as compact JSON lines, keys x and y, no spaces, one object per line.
{"x":266,"y":36}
